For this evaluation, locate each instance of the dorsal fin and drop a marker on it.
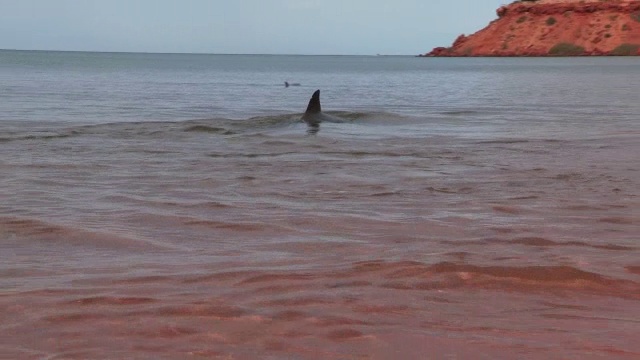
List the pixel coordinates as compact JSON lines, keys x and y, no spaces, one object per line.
{"x":314,"y":103}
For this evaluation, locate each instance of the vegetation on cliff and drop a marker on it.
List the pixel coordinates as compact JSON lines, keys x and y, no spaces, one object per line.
{"x":566,"y":49}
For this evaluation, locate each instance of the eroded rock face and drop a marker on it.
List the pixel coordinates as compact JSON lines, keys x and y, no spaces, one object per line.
{"x":555,"y":28}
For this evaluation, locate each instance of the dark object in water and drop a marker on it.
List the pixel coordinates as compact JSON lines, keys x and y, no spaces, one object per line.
{"x":313,"y":116}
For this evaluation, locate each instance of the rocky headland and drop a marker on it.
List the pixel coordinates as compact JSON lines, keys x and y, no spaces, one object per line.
{"x":555,"y":28}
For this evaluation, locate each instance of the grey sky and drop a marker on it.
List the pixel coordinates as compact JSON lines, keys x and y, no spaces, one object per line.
{"x":241,"y":26}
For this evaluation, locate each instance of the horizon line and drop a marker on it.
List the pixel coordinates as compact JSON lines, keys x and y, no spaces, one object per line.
{"x":195,"y":53}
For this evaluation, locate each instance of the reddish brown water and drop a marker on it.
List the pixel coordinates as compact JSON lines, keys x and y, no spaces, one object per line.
{"x":371,"y":240}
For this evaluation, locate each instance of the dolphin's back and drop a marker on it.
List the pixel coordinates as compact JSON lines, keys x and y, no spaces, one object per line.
{"x":314,"y":104}
{"x":314,"y":115}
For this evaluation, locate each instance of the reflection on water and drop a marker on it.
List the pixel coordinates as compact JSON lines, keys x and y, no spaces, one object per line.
{"x":313,"y":129}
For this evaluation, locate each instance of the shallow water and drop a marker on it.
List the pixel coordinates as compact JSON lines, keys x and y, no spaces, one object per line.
{"x":469,"y":208}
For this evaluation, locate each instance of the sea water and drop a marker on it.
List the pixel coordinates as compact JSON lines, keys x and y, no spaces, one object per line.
{"x":174,"y":206}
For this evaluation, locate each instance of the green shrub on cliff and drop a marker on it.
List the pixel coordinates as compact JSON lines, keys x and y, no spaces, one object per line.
{"x":566,"y":49}
{"x":551,"y":21}
{"x":626,"y":50}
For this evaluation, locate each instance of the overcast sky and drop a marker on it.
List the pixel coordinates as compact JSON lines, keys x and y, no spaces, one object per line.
{"x":241,"y":26}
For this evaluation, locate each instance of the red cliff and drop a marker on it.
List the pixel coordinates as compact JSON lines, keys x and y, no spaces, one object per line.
{"x":555,"y":28}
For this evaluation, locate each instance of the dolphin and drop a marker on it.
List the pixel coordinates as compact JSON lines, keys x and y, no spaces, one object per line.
{"x":287,"y":84}
{"x":314,"y":115}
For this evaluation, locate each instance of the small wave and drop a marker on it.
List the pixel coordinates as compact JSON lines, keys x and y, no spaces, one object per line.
{"x":569,"y":177}
{"x":414,"y":275}
{"x":53,"y":234}
{"x":279,"y":121}
{"x":540,"y":242}
{"x":411,"y":275}
{"x":43,"y":137}
{"x":618,"y":220}
{"x":278,"y":277}
{"x":268,"y":122}
{"x":56,"y":131}
{"x":505,"y":141}
{"x":460,"y":112}
{"x":221,"y":311}
{"x":239,"y":227}
{"x":251,"y":155}
{"x":208,"y":129}
{"x":163,"y":129}
{"x":76,"y":317}
{"x":542,"y":274}
{"x":111,"y":300}
{"x":633,"y":269}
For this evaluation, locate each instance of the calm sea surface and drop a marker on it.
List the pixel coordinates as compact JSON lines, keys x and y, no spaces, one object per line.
{"x":159,"y":206}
